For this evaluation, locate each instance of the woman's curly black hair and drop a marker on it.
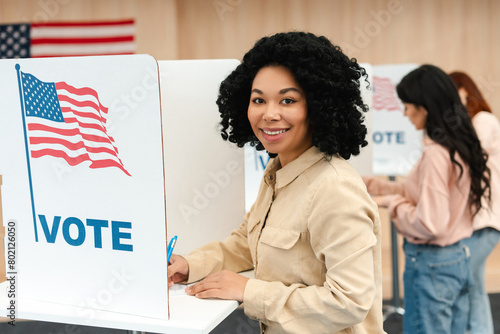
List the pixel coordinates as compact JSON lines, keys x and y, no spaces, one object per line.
{"x":330,"y":80}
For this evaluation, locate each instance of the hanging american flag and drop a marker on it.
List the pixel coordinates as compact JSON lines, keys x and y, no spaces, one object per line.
{"x":384,"y":95}
{"x":67,"y":122}
{"x":57,"y":39}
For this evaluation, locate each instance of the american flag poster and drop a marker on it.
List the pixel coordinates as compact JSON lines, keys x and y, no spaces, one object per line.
{"x":68,"y":123}
{"x":81,"y":160}
{"x":62,"y":39}
{"x":396,"y":142}
{"x":384,"y":95}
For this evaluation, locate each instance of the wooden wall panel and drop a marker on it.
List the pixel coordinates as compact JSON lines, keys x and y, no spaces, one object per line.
{"x":452,"y":34}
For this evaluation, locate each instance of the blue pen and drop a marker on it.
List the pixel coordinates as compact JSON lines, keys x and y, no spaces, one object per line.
{"x":171,"y":246}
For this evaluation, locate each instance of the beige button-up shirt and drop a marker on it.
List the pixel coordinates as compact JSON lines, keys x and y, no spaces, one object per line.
{"x":313,"y":238}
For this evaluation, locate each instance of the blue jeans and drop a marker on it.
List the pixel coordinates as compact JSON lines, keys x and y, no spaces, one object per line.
{"x":436,"y":284}
{"x":481,"y":244}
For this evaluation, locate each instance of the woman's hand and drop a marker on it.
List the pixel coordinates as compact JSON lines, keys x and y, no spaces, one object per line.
{"x":381,"y":201}
{"x":178,"y":270}
{"x":367,"y":179}
{"x":222,"y":285}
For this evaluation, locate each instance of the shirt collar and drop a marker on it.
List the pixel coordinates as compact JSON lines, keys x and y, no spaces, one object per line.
{"x":283,"y":176}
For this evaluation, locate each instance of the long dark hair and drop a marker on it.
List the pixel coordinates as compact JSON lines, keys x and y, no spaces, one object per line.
{"x":448,"y":124}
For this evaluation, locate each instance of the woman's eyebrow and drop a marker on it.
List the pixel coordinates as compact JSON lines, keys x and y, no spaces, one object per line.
{"x":283,"y":91}
{"x":286,"y":90}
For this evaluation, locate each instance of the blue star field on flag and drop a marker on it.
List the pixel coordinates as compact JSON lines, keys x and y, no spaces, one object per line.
{"x":40,"y":99}
{"x":15,"y":41}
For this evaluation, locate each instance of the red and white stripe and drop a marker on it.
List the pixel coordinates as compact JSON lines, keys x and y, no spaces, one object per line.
{"x":56,"y":39}
{"x":384,"y":95}
{"x":83,"y":135}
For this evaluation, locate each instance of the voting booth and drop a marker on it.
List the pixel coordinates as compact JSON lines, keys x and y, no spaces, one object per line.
{"x":204,"y":174}
{"x":92,"y":173}
{"x":397,"y":145}
{"x":83,"y":184}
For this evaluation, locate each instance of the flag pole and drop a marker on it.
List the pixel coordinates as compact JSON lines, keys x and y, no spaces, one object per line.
{"x":27,"y":149}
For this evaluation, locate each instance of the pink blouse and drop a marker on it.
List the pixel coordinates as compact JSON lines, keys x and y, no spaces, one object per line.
{"x":431,"y":206}
{"x":488,"y":131}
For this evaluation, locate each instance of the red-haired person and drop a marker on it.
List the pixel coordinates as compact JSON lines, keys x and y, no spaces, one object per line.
{"x":486,"y":222}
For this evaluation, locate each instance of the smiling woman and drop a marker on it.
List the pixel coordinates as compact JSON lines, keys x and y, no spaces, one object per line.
{"x":313,"y":233}
{"x":278,"y":113}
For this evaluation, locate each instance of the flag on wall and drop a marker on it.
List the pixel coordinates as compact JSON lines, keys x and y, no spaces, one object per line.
{"x":67,"y":122}
{"x":59,"y":39}
{"x":384,"y":95}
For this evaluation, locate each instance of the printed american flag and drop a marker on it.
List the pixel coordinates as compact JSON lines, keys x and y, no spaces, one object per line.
{"x":68,"y":123}
{"x":384,"y":95}
{"x":58,"y":39}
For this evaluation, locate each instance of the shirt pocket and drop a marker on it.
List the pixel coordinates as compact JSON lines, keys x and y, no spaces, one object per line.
{"x":279,"y":238}
{"x":279,"y":255}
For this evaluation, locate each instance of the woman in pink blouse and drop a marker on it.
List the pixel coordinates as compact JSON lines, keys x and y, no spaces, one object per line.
{"x":487,"y":223}
{"x":435,"y":206}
